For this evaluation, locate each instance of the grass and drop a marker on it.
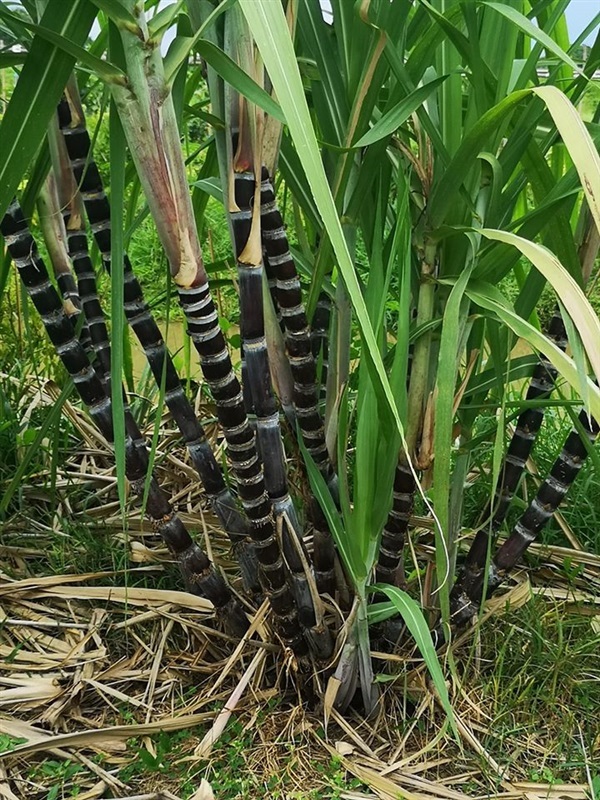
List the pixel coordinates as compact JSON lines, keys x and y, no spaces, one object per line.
{"x":540,"y":676}
{"x":242,"y":766}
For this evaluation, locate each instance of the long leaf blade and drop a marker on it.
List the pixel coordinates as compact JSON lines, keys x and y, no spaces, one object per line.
{"x":38,"y":91}
{"x":416,"y":624}
{"x":574,"y":300}
{"x":579,"y":143}
{"x":398,"y":115}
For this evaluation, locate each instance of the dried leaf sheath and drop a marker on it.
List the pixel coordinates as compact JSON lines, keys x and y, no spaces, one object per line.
{"x":140,"y":318}
{"x":199,"y":575}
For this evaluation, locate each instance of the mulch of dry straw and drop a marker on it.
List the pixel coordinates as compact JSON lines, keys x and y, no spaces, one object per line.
{"x":86,"y":666}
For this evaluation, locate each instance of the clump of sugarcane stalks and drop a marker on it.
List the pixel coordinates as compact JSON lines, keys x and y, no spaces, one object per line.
{"x":297,"y":557}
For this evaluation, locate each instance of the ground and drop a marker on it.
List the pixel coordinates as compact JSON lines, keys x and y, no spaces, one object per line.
{"x":117,"y":691}
{"x":113,"y":684}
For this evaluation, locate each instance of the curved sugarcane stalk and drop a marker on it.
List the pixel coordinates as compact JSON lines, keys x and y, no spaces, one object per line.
{"x":529,"y":422}
{"x":466,"y":597}
{"x":285,"y":286}
{"x":55,"y":235}
{"x":296,"y":328}
{"x":144,"y":326}
{"x":245,"y":125}
{"x":390,"y":568}
{"x":73,"y":212}
{"x":199,"y":574}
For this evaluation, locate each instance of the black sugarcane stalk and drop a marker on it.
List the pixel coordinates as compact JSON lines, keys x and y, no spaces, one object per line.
{"x":390,"y":567}
{"x":297,"y":331}
{"x":528,"y":425}
{"x":77,"y":245}
{"x":199,"y":574}
{"x":204,"y":330}
{"x":252,"y":330}
{"x":144,"y":326}
{"x":319,"y":337}
{"x":73,"y":213}
{"x":390,"y":559}
{"x":271,"y":277}
{"x":85,"y":290}
{"x":281,"y":270}
{"x":245,"y":220}
{"x":466,"y":596}
{"x":53,"y":230}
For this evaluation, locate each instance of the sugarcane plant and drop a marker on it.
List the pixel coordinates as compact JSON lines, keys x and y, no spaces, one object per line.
{"x":369,"y":344}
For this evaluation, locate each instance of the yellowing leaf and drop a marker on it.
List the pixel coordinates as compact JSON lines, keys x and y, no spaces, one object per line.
{"x":571,"y":296}
{"x":579,"y":143}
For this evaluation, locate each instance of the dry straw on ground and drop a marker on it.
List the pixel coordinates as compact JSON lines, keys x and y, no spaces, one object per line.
{"x":93,"y":667}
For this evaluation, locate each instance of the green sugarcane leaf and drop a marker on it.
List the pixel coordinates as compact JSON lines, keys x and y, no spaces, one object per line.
{"x":444,"y":194}
{"x":525,"y":25}
{"x":118,"y":13}
{"x":240,"y":80}
{"x":14,"y":28}
{"x":117,"y":274}
{"x":38,"y":91}
{"x":293,"y":173}
{"x":163,"y":19}
{"x":454,"y":317}
{"x":106,"y":71}
{"x":488,"y":297}
{"x":577,"y":350}
{"x":398,"y":115}
{"x":196,"y":111}
{"x":578,"y":306}
{"x":417,"y":625}
{"x":11,"y":59}
{"x":212,"y":187}
{"x":380,"y":612}
{"x":578,"y":141}
{"x":332,"y":95}
{"x":182,"y":46}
